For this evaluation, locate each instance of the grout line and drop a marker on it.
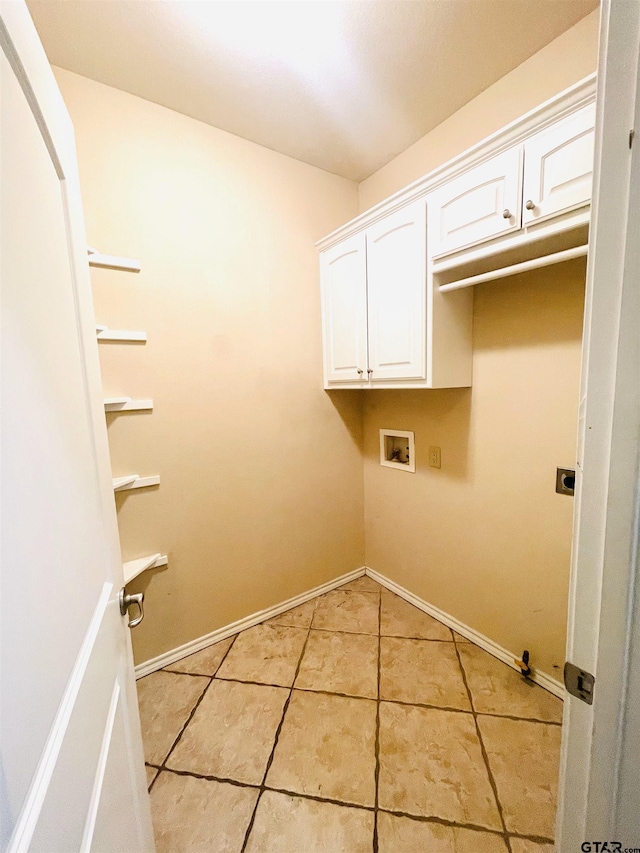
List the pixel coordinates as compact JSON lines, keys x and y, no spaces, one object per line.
{"x":419,"y":818}
{"x":485,"y":756}
{"x":518,"y":719}
{"x":317,"y":799}
{"x":190,"y":717}
{"x":377,"y":744}
{"x":504,"y":833}
{"x":344,"y":631}
{"x":359,"y":591}
{"x":209,"y":777}
{"x":384,"y":636}
{"x":254,"y":683}
{"x":276,"y":738}
{"x":178,"y":672}
{"x":538,"y":839}
{"x":444,"y":822}
{"x":182,"y":730}
{"x":382,"y":699}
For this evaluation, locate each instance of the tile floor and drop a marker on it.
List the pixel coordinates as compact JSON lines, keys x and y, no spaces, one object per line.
{"x":354,"y":723}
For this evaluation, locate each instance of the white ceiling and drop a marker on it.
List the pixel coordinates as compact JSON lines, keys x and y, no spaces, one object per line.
{"x":340,"y":85}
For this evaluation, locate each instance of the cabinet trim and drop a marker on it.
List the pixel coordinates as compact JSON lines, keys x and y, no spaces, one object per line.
{"x":514,"y":133}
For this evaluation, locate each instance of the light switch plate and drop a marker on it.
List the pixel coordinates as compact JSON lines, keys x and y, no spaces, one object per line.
{"x":435,"y":460}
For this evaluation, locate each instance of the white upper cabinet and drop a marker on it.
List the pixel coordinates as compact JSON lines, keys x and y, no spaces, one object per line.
{"x":558,"y":166}
{"x":396,"y":283}
{"x":343,"y":270}
{"x":478,"y":205}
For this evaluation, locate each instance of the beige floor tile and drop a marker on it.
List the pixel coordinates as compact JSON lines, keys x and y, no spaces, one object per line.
{"x":268,"y":654}
{"x":401,"y":619}
{"x":403,"y":835}
{"x":165,"y":700}
{"x":498,"y":689}
{"x":421,"y":671}
{"x":286,"y":824}
{"x":363,"y":584}
{"x":205,"y":662}
{"x":524,"y":759}
{"x":326,"y":748}
{"x":459,"y":638}
{"x":355,"y":612}
{"x":520,"y":845}
{"x":431,"y":765}
{"x":151,"y":774}
{"x":232,"y":733}
{"x":340,"y":663}
{"x":297,"y":617}
{"x":199,"y":816}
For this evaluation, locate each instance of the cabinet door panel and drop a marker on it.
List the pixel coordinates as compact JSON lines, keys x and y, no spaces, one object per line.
{"x":558,"y":166}
{"x":471,"y":208}
{"x":344,"y":309}
{"x":396,"y":276}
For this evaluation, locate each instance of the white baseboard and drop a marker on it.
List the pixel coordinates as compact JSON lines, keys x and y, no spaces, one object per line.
{"x":200,"y":643}
{"x":551,"y":684}
{"x":541,"y":678}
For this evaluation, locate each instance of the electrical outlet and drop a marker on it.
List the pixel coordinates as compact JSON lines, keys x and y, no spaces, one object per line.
{"x":434,"y":457}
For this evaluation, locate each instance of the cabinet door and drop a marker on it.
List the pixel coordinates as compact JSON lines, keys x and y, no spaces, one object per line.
{"x":396,"y":278}
{"x":558,"y":166}
{"x":478,"y":205}
{"x":343,"y":270}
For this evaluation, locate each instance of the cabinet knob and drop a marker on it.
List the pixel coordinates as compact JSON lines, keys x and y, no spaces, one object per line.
{"x":360,"y":371}
{"x":369,"y":370}
{"x":506,"y":213}
{"x":530,"y":205}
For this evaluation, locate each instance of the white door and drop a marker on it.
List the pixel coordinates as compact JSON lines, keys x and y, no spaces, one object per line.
{"x":343,"y":273}
{"x":397,"y":292}
{"x":483,"y":203}
{"x":600,"y":776}
{"x":72,"y":765}
{"x":558,"y":166}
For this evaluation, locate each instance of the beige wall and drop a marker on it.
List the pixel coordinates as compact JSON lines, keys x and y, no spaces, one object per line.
{"x":561,"y":63}
{"x":262,"y":487}
{"x":261,"y":495}
{"x":486,"y":538}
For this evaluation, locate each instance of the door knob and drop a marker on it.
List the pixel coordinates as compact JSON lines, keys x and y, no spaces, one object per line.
{"x":530,"y":205}
{"x":126,"y":601}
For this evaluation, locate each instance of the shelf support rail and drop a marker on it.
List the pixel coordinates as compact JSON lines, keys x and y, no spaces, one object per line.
{"x":514,"y":269}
